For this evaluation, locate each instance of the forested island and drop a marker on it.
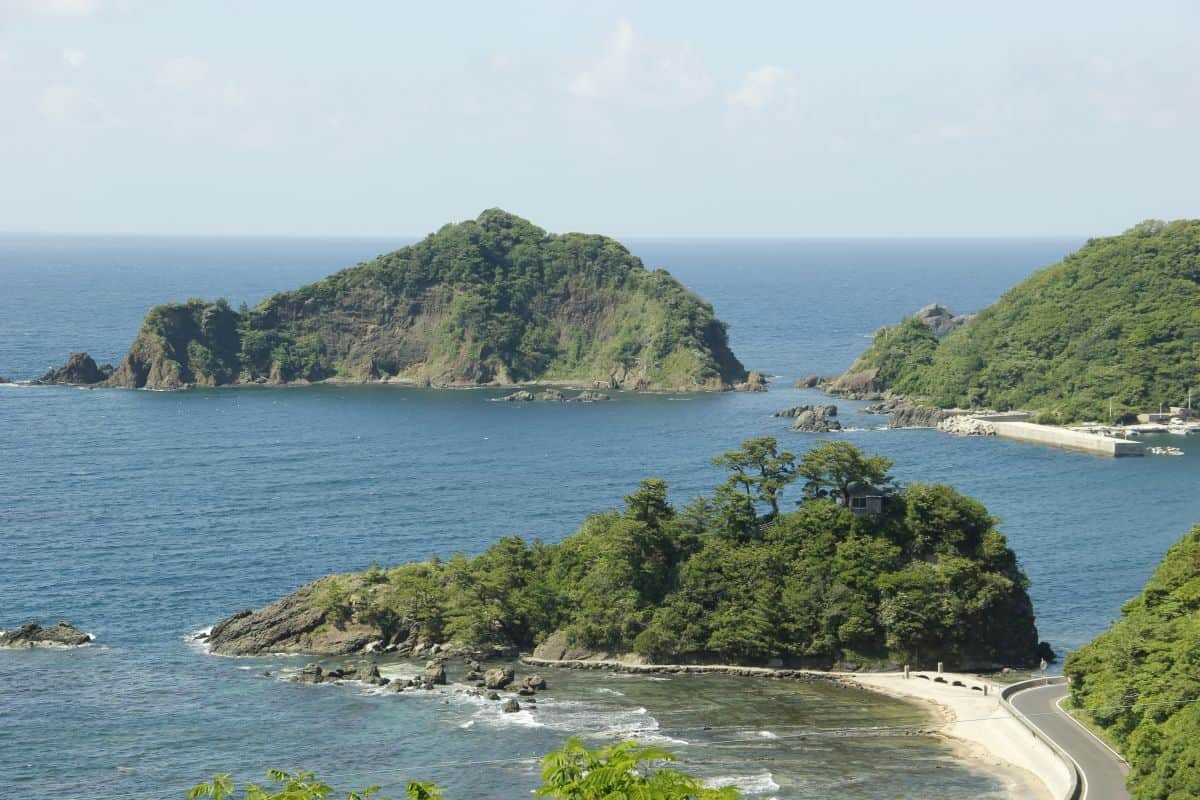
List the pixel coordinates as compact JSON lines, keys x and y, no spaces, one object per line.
{"x":1117,"y":321}
{"x":863,"y":573}
{"x":1139,"y":682}
{"x":491,"y":301}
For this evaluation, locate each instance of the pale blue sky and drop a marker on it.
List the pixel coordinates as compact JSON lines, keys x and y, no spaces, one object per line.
{"x":628,"y":118}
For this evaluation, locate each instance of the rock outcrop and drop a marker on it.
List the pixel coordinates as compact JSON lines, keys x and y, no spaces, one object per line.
{"x":498,"y":678}
{"x":826,"y":410}
{"x":551,"y":396}
{"x":916,"y":417}
{"x":856,"y":384}
{"x":812,"y":422}
{"x":810,"y":382}
{"x":31,"y":634}
{"x":755,"y":382}
{"x":293,"y":624}
{"x":941,"y":320}
{"x":80,"y":370}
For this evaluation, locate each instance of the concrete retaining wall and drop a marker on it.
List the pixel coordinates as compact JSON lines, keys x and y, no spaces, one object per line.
{"x":1072,"y":440}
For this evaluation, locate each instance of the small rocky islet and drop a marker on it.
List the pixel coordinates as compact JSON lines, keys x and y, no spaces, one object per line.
{"x":31,"y":634}
{"x":494,"y":301}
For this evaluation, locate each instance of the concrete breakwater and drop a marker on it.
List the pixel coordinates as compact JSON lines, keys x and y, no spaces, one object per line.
{"x":1068,"y":438}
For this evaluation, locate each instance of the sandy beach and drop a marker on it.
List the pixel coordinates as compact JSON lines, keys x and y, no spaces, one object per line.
{"x":985,"y":733}
{"x":989,"y":734}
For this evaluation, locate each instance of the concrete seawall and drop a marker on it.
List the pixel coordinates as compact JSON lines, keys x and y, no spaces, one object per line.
{"x":1064,"y":437}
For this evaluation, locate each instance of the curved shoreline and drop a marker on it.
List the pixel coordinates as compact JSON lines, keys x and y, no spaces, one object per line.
{"x":978,"y":725}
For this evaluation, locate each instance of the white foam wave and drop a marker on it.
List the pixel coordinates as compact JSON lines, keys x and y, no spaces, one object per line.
{"x":762,"y":783}
{"x":766,"y":735}
{"x":606,"y":690}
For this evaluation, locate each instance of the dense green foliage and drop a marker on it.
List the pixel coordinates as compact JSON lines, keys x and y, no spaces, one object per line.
{"x":1118,"y":320}
{"x":625,"y":771}
{"x":495,"y":299}
{"x":733,"y":578}
{"x":1140,"y":680}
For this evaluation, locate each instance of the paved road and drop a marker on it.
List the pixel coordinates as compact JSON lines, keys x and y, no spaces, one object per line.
{"x":1103,"y":774}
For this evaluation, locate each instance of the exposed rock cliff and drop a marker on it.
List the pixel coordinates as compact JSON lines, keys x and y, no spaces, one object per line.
{"x":492,"y":301}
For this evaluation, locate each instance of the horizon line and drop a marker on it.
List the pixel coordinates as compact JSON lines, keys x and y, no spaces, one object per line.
{"x":618,"y":237}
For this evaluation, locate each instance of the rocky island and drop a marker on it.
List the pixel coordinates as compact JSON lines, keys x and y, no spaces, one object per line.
{"x":912,"y":575}
{"x":491,"y":301}
{"x":31,"y":634}
{"x":1112,"y":329}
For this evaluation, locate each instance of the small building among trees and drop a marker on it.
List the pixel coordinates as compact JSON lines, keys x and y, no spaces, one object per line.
{"x":864,"y":498}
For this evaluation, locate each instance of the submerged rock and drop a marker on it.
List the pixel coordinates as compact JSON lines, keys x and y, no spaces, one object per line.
{"x":521,"y":396}
{"x":510,"y":706}
{"x":31,"y":634}
{"x":80,"y":370}
{"x":589,"y":396}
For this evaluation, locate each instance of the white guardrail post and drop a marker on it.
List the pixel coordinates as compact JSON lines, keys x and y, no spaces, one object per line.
{"x":1075,"y":789}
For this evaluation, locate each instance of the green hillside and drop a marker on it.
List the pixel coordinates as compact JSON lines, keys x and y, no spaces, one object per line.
{"x":1140,"y":681}
{"x":494,"y":300}
{"x":1118,"y":320}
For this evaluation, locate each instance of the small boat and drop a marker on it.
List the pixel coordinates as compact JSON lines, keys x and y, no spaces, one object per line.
{"x":1164,"y":451}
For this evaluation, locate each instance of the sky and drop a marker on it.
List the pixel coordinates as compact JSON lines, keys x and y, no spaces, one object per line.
{"x":796,"y":119}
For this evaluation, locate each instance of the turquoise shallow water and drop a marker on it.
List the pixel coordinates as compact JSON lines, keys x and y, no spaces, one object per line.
{"x":144,"y":516}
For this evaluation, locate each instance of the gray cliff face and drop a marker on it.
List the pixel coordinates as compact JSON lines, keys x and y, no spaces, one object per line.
{"x":31,"y":634}
{"x":916,"y":417}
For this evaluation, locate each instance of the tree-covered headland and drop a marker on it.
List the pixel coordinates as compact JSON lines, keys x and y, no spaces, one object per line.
{"x":1116,"y":322}
{"x":1140,"y":681}
{"x":771,"y":567}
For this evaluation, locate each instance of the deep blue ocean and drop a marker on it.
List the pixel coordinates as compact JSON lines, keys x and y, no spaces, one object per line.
{"x":142,"y":517}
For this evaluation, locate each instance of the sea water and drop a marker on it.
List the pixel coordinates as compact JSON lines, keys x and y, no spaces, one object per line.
{"x":143,"y":517}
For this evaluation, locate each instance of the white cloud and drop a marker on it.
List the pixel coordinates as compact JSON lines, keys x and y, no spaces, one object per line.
{"x":63,"y":8}
{"x":183,"y":72}
{"x":611,"y":69}
{"x":631,"y":67}
{"x":73,"y":58}
{"x":762,"y":87}
{"x":59,"y":102}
